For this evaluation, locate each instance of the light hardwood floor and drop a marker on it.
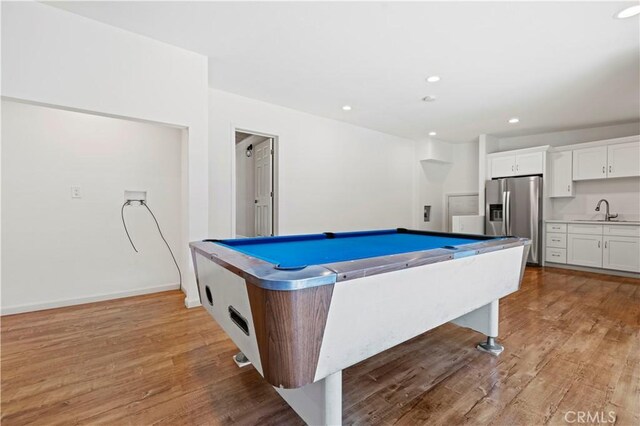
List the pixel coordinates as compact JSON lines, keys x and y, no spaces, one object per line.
{"x":572,"y":343}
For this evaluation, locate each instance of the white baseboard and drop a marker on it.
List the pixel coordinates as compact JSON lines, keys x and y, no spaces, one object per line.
{"x":17,"y":309}
{"x":594,"y":270}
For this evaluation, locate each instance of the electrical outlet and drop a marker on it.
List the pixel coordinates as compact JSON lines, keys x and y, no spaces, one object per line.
{"x":76,"y":192}
{"x":135,"y":195}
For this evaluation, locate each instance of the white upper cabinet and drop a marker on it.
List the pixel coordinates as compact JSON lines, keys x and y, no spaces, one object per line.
{"x":503,"y":166}
{"x":561,"y":177}
{"x":623,"y":159}
{"x":590,"y":163}
{"x":529,"y":163}
{"x":607,"y":161}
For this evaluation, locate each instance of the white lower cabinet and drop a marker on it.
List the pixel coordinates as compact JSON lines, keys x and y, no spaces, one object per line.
{"x":621,"y":253}
{"x":556,"y":255}
{"x":609,"y":246}
{"x":584,"y":250}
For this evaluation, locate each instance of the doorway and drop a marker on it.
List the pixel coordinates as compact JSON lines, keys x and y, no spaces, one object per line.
{"x":255,"y":188}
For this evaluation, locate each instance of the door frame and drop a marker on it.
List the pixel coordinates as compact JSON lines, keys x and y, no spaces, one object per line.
{"x":445,"y":219}
{"x":275,"y":176}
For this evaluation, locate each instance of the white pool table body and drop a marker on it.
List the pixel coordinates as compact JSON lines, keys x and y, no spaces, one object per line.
{"x":371,"y":314}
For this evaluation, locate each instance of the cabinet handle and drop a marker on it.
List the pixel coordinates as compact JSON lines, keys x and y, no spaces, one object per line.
{"x":568,"y":188}
{"x":512,"y":167}
{"x":603,"y":170}
{"x":517,"y":167}
{"x":609,"y":169}
{"x":598,"y":244}
{"x":605,"y":244}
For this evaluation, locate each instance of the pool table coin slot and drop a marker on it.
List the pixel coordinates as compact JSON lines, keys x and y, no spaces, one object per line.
{"x":239,"y":320}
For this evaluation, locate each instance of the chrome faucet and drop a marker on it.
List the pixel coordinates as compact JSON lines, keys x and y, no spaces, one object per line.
{"x":607,"y":216}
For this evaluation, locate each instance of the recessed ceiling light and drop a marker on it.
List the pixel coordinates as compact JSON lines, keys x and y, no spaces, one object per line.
{"x":432,"y":133}
{"x":628,"y":12}
{"x":433,"y":78}
{"x":514,"y":120}
{"x":346,"y":107}
{"x":429,"y":98}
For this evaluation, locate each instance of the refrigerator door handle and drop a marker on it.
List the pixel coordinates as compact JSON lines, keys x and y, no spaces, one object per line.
{"x":504,"y":213}
{"x":506,"y":206}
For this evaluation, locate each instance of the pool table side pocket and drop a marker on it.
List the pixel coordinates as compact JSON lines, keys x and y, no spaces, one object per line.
{"x":289,"y":328}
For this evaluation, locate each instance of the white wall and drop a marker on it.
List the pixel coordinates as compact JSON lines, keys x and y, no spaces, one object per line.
{"x":58,"y":58}
{"x":569,"y":137}
{"x":332,"y":176}
{"x":57,"y":250}
{"x":623,"y":195}
{"x":442,"y":168}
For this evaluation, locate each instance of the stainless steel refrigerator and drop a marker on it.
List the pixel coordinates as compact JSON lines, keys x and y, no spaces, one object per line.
{"x":513,"y":206}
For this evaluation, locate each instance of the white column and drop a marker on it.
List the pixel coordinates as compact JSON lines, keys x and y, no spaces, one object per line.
{"x":483,"y":320}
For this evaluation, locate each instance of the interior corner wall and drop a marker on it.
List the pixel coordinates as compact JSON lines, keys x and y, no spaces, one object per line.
{"x":486,"y":145}
{"x":442,"y":168}
{"x":57,"y":58}
{"x":88,"y":257}
{"x":332,"y":176}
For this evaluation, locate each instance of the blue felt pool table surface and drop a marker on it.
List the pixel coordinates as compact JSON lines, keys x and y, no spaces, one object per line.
{"x":298,"y":251}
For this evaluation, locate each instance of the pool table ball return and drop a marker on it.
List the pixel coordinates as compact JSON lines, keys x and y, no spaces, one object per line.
{"x":302,"y":308}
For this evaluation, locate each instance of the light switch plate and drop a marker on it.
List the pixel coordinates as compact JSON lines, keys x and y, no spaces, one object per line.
{"x":427,"y":213}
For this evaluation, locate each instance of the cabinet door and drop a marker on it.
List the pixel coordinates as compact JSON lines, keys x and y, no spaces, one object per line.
{"x":623,"y":159}
{"x":590,"y":163}
{"x":584,"y":250}
{"x":560,"y":166}
{"x":503,"y":166}
{"x":621,"y":253}
{"x":529,"y":164}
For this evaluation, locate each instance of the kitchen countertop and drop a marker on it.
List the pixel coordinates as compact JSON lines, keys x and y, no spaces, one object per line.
{"x":594,"y":222}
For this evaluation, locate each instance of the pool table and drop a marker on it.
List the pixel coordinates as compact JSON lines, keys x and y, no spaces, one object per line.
{"x":302,"y":308}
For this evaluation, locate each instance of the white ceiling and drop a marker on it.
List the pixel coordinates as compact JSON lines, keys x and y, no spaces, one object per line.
{"x":556,"y":65}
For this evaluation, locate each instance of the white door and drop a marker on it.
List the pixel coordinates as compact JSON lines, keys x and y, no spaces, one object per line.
{"x":584,"y":250}
{"x":529,"y":164}
{"x":624,"y":159}
{"x":590,"y":163}
{"x":263,"y":188}
{"x":560,"y":165}
{"x":503,"y":166}
{"x":621,"y":253}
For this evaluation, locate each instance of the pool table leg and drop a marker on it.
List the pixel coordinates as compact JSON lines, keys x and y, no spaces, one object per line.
{"x":241,"y":360}
{"x":318,"y":403}
{"x":490,"y":346}
{"x":484,"y":320}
